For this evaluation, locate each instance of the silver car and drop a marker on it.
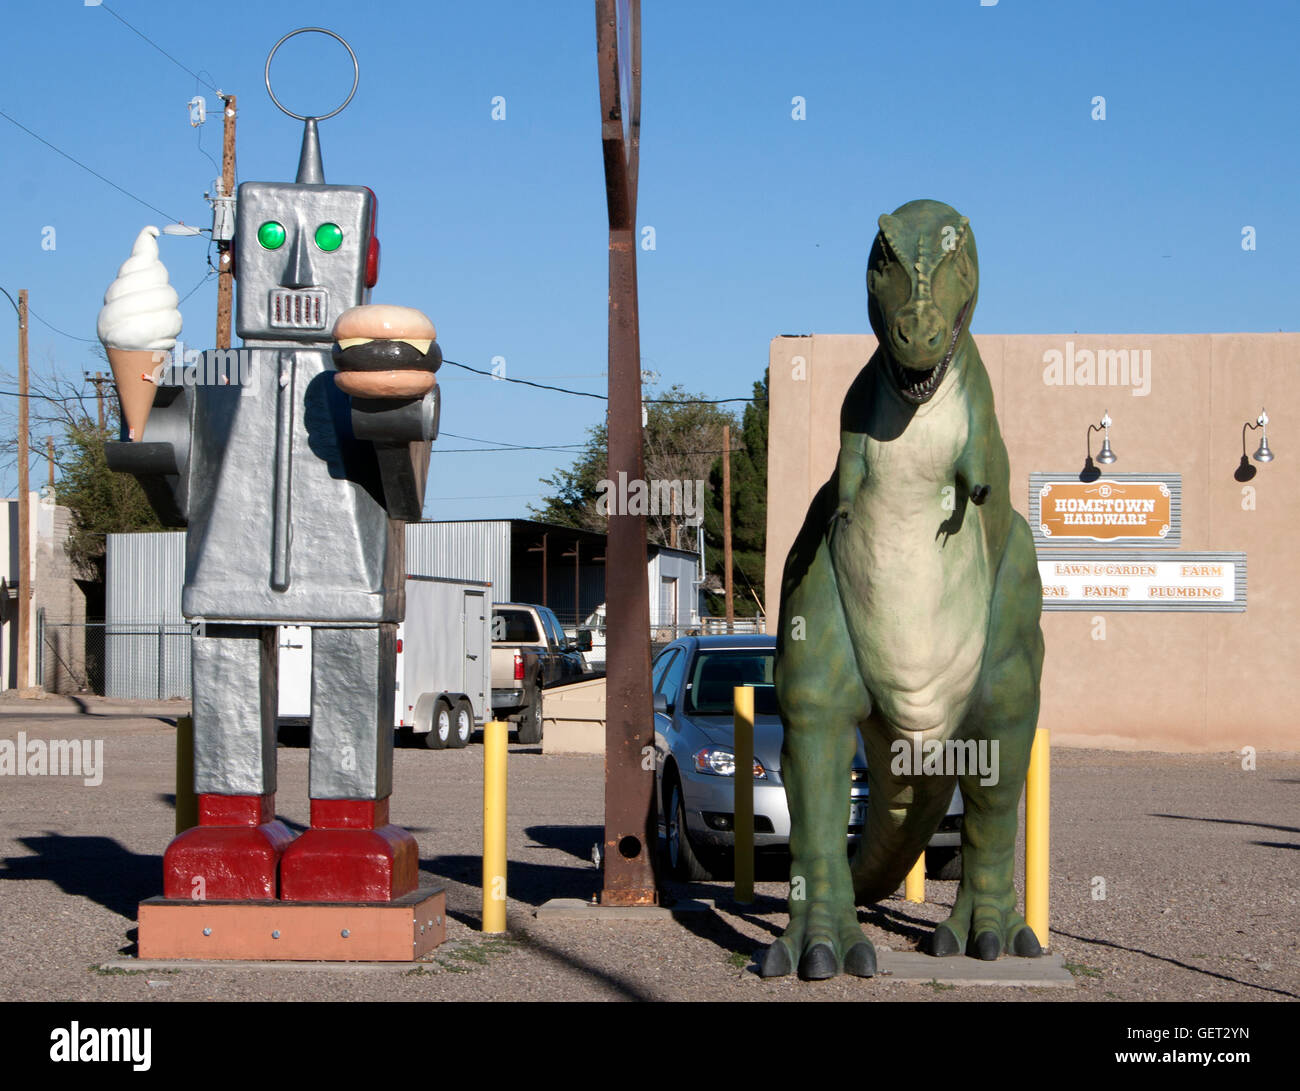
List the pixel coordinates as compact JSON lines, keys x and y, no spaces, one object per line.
{"x":692,"y":681}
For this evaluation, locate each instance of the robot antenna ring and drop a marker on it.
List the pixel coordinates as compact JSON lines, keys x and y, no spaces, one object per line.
{"x":356,"y":73}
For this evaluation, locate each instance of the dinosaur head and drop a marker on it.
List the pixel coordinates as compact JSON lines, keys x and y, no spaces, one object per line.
{"x":922,"y":280}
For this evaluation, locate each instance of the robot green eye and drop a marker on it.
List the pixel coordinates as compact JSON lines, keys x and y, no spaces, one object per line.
{"x":271,"y":235}
{"x":329,"y":237}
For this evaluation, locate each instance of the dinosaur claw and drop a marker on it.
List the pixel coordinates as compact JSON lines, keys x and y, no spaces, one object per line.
{"x":861,"y":960}
{"x":818,"y":963}
{"x":987,"y":946}
{"x":776,"y":961}
{"x":943,"y":943}
{"x":1026,"y":944}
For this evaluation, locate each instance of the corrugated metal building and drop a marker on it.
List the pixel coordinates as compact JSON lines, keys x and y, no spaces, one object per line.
{"x":525,"y":561}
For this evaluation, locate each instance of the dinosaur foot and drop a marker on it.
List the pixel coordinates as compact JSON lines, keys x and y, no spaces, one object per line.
{"x":984,"y":930}
{"x":822,"y":944}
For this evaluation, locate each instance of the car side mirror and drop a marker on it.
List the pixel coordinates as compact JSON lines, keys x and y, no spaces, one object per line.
{"x":661,"y":705}
{"x":584,"y":640}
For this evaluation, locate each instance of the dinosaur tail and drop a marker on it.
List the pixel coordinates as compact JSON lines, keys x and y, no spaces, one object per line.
{"x":902,"y":814}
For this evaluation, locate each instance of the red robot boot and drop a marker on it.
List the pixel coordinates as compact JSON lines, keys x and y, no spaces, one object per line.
{"x":351,"y":854}
{"x":233,"y":854}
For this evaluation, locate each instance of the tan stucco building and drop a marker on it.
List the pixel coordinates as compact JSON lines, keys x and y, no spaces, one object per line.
{"x":1151,"y":680}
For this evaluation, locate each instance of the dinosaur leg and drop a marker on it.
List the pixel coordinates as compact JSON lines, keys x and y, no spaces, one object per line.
{"x":984,"y":920}
{"x":822,"y":700}
{"x":903,"y":811}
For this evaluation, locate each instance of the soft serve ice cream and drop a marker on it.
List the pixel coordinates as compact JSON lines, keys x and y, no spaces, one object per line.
{"x":138,"y":325}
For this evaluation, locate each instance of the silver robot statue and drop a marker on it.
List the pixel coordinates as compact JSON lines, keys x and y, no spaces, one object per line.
{"x":295,"y":488}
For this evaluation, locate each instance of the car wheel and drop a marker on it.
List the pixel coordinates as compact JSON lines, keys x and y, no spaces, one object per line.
{"x":530,"y":720}
{"x":462,"y":724}
{"x":943,"y":863}
{"x":683,"y":861}
{"x":440,"y":729}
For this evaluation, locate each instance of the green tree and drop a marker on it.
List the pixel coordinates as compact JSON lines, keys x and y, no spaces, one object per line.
{"x":748,"y":514}
{"x":101,"y":502}
{"x":682,"y":439}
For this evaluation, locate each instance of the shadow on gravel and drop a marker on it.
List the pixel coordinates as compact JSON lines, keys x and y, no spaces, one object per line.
{"x":625,"y":987}
{"x":531,"y":884}
{"x":97,"y":868}
{"x":1275,"y":845}
{"x":1230,"y":822}
{"x":577,"y":841}
{"x":1174,"y":962}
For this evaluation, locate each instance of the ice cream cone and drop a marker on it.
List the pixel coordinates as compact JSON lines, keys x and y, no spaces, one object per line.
{"x":133,"y":370}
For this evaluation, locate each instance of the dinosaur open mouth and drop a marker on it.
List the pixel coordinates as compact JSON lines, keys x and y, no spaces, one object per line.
{"x":918,"y":385}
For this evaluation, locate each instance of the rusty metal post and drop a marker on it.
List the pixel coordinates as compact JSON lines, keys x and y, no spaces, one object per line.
{"x":630,"y":821}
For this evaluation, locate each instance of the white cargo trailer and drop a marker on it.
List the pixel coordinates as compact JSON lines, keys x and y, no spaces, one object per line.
{"x":444,"y":662}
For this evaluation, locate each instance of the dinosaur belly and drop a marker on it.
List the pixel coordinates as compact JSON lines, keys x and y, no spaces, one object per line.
{"x":916,"y":593}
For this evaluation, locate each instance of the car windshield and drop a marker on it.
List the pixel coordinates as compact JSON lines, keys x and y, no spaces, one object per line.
{"x":715,"y":674}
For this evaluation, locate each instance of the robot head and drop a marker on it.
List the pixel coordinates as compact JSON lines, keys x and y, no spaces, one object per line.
{"x":304,"y":254}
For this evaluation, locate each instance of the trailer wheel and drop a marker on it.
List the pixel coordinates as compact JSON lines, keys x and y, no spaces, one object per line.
{"x":440,"y":730}
{"x":462,"y":723}
{"x":530,"y":720}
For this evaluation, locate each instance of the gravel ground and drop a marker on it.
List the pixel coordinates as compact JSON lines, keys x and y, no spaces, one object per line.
{"x":1201,"y":895}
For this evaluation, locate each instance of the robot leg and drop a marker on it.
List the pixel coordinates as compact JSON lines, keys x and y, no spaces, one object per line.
{"x":351,"y":853}
{"x":234,"y":852}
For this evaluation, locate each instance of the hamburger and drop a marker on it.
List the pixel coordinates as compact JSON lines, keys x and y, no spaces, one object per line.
{"x":385,"y":351}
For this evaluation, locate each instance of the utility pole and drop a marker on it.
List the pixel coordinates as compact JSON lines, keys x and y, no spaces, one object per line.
{"x":542,"y":550}
{"x":49,"y":455}
{"x":225,"y":268}
{"x":98,"y":382}
{"x":630,"y":821}
{"x":726,"y":525}
{"x":24,"y":508}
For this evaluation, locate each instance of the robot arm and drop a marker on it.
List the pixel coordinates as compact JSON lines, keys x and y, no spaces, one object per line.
{"x":160,"y":460}
{"x":402,"y":430}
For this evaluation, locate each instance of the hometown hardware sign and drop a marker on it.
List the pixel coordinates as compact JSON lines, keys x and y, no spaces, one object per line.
{"x":1137,"y":509}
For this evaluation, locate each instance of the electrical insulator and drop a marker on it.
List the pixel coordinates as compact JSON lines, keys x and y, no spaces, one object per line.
{"x":198,"y":111}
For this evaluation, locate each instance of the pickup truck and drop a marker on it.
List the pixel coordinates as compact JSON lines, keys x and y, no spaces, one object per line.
{"x":529,"y":653}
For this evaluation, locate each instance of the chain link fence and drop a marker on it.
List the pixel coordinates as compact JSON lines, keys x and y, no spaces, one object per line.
{"x":144,"y":660}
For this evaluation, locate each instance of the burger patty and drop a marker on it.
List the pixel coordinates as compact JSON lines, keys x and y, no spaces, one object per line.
{"x":388,"y":356}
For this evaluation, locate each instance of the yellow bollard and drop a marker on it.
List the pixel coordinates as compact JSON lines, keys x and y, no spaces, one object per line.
{"x":1037,"y":834}
{"x":914,"y":885}
{"x":743,"y":808}
{"x":187,"y":803}
{"x":494,"y":826}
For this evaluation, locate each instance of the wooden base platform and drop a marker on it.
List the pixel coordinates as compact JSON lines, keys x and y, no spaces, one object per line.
{"x":398,"y":931}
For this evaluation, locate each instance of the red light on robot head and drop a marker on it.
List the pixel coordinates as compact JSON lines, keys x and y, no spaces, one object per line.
{"x":372,"y":247}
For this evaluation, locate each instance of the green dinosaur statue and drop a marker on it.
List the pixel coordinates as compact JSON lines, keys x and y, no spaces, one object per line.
{"x":910,"y":610}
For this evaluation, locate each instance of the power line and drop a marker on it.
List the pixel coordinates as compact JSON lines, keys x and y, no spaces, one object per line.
{"x":73,"y":159}
{"x":160,"y":49}
{"x":509,"y":446}
{"x":598,"y":397}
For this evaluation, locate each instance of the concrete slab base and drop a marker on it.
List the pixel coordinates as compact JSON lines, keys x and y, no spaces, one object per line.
{"x":575,"y":909}
{"x":915,"y":967}
{"x":162,"y":965}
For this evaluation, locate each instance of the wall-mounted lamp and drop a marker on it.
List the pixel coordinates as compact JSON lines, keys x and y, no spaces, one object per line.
{"x":1105,"y":456}
{"x":1245,"y":471}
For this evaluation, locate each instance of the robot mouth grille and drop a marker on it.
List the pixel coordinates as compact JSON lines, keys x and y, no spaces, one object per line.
{"x":306,"y":309}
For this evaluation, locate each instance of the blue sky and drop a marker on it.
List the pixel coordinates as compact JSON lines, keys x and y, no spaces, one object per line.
{"x":762,"y":223}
